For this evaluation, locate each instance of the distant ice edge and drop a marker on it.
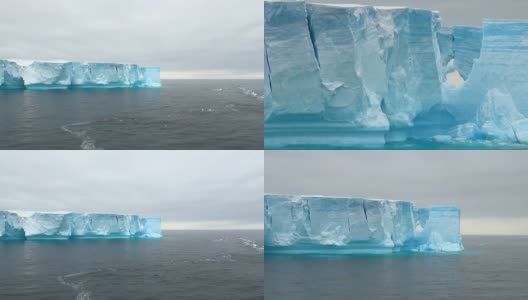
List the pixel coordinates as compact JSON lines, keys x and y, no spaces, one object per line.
{"x":16,"y":225}
{"x":359,"y":75}
{"x":334,"y":225}
{"x":35,"y":75}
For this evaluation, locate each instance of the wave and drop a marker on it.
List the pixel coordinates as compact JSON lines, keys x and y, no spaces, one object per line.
{"x":87,"y":143}
{"x":231,"y":107}
{"x":77,"y":281}
{"x":252,"y":93}
{"x":252,"y":244}
{"x":78,"y":287}
{"x":220,"y":258}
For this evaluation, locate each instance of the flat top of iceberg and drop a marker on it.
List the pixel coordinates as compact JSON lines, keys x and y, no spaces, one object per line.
{"x":381,"y":7}
{"x":29,"y":213}
{"x":28,"y":62}
{"x":299,"y":197}
{"x":355,"y":5}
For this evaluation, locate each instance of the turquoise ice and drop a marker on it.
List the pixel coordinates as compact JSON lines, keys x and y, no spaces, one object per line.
{"x":19,"y":225}
{"x":337,"y":225}
{"x":17,"y":74}
{"x":364,"y":76}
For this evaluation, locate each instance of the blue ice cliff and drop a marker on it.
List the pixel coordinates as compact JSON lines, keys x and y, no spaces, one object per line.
{"x":16,"y":74}
{"x":16,"y":225}
{"x":333,"y":225}
{"x":360,"y":76}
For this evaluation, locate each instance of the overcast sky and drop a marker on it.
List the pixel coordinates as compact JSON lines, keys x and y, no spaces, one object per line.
{"x":187,"y":38}
{"x":490,"y":187}
{"x":188,"y":189}
{"x":457,"y":12}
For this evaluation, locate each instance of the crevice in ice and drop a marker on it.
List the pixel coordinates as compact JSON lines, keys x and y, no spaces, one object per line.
{"x":269,"y":73}
{"x":365,"y":212}
{"x":312,"y":39}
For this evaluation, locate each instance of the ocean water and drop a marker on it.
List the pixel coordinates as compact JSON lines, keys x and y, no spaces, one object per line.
{"x":183,"y":114}
{"x":181,"y":265}
{"x":491,"y":267}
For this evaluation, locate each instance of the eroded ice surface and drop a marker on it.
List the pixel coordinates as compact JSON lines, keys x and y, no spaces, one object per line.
{"x":334,"y":225}
{"x":17,"y":225}
{"x":15,"y":74}
{"x":358,"y":75}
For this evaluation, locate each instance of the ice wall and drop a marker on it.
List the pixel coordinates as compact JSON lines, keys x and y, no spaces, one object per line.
{"x":357,"y":75}
{"x":294,"y":71}
{"x":492,"y":101}
{"x":445,"y":43}
{"x":346,"y":62}
{"x":15,"y":225}
{"x":64,"y":75}
{"x":332,"y":225}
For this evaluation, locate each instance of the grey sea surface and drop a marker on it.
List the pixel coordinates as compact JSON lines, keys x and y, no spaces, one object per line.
{"x":491,"y":267}
{"x":181,"y":265}
{"x":183,"y":114}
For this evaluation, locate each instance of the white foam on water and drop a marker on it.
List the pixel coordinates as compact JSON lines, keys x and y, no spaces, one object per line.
{"x":231,"y":107}
{"x":252,"y":93}
{"x":87,"y":143}
{"x":76,"y":281}
{"x":221,"y":258}
{"x":252,"y":244}
{"x":82,"y":293}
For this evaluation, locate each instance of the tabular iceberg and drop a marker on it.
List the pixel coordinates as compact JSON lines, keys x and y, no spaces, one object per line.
{"x":66,"y":75}
{"x":15,"y":225}
{"x":333,"y":225}
{"x":363,"y":76}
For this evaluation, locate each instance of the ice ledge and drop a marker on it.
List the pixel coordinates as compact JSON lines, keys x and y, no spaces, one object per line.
{"x":296,"y":224}
{"x":28,"y":225}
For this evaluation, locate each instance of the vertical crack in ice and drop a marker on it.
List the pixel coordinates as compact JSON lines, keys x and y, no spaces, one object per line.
{"x":365,"y":211}
{"x":269,"y":68}
{"x":312,"y":38}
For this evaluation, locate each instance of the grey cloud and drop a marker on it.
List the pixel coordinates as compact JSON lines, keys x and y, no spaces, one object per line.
{"x":179,"y":186}
{"x":484,"y":184}
{"x":176,"y":34}
{"x":456,"y":12}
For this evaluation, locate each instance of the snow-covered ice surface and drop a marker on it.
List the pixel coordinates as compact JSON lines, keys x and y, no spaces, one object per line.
{"x":24,"y":225}
{"x":18,"y":74}
{"x":339,"y":76}
{"x":336,"y":225}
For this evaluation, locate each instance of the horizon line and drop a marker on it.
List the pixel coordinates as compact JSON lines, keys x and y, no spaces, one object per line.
{"x":211,"y":74}
{"x":211,"y":225}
